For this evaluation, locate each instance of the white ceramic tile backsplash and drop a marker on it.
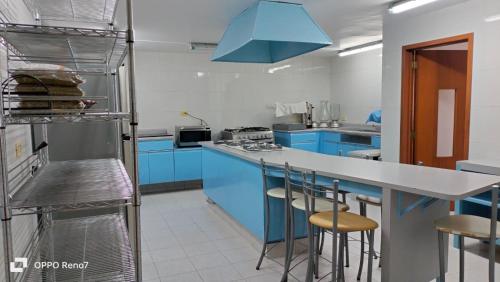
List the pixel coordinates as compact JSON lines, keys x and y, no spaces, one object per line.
{"x":465,"y":17}
{"x":357,"y":84}
{"x":224,"y":94}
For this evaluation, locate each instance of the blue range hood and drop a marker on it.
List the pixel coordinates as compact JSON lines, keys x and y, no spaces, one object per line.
{"x":270,"y":32}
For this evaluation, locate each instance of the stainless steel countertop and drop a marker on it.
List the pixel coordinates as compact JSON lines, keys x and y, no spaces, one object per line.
{"x":327,"y":129}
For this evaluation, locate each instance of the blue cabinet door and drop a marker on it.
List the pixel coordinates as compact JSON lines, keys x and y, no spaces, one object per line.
{"x":187,"y":164}
{"x":329,"y":148}
{"x":143,"y":168}
{"x":311,"y":147}
{"x":282,"y":138}
{"x":376,"y":142}
{"x":161,"y":167}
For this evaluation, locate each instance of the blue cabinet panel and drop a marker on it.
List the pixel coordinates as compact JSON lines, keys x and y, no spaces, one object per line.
{"x":155,"y":145}
{"x":329,"y":148}
{"x":282,"y":138}
{"x":187,"y":164}
{"x":161,"y":167}
{"x":304,"y":137}
{"x":376,"y":142}
{"x":311,"y":147}
{"x":330,"y":136}
{"x":143,"y":159}
{"x":235,"y":185}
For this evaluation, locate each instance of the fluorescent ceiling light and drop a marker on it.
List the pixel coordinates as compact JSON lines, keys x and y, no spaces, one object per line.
{"x":273,"y":70}
{"x":403,"y":6}
{"x":360,"y":49}
{"x":492,"y":18}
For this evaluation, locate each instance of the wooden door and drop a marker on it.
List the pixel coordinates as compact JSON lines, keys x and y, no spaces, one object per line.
{"x":439,"y":71}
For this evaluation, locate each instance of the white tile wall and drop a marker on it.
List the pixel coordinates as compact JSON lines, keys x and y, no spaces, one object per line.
{"x":404,"y":29}
{"x":224,"y":94}
{"x":357,"y":85}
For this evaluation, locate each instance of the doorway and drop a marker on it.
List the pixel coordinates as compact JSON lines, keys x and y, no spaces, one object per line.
{"x":435,"y":109}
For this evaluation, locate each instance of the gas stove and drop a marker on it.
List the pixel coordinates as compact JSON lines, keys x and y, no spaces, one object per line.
{"x":259,"y":134}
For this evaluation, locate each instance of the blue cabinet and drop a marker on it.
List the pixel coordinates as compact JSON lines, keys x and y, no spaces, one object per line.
{"x":326,"y":142}
{"x":329,"y":148}
{"x":156,"y":161}
{"x":161,"y":167}
{"x":308,"y":141}
{"x":143,"y":159}
{"x":187,"y":164}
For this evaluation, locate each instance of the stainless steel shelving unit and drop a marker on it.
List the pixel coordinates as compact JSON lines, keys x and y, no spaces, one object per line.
{"x":101,"y":241}
{"x":111,"y":243}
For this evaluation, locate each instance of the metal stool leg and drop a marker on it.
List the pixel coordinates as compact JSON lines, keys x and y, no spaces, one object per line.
{"x":310,"y":262}
{"x":346,"y":243}
{"x":266,"y":232}
{"x":441,"y":257}
{"x":370,"y":255}
{"x":461,"y":248}
{"x":316,"y":253}
{"x":284,"y":277}
{"x":340,"y":275}
{"x":322,"y":241}
{"x":362,"y":256}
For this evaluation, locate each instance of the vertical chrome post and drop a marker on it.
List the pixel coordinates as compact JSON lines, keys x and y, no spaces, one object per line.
{"x":493,"y":231}
{"x":441,"y":248}
{"x":133,"y":140}
{"x":6,"y":215}
{"x":334,"y":229}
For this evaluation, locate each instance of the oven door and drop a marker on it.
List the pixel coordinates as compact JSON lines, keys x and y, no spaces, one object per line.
{"x":190,"y":138}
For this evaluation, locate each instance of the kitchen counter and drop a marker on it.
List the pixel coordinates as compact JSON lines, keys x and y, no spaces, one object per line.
{"x":413,"y":198}
{"x":339,"y":130}
{"x":483,"y":166}
{"x":438,"y":183}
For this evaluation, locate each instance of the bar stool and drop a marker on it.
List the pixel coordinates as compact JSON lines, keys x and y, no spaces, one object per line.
{"x":277,"y":193}
{"x":320,"y":205}
{"x":339,"y":223}
{"x":470,"y":226}
{"x":364,"y":201}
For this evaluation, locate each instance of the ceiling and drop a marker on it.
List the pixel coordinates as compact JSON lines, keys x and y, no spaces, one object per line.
{"x":172,"y":24}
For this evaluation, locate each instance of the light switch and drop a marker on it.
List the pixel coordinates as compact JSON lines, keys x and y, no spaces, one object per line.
{"x":19,"y":150}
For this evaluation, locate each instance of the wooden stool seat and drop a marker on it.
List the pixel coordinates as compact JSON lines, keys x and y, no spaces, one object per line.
{"x":320,"y":205}
{"x":466,"y":225}
{"x":280,"y":193}
{"x":374,"y":201}
{"x":347,"y":222}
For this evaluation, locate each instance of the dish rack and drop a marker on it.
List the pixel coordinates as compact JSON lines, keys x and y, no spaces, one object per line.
{"x":108,"y":243}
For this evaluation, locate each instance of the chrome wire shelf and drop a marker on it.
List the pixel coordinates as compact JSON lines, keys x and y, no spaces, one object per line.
{"x":101,"y":241}
{"x":75,"y":184}
{"x":60,"y":116}
{"x":87,"y":11}
{"x":81,"y":49}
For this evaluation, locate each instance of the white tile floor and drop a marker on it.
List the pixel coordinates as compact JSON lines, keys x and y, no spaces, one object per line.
{"x":187,"y":239}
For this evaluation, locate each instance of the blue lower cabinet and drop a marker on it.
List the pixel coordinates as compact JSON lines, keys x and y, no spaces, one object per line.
{"x":161,"y":167}
{"x":187,"y":164}
{"x":376,"y":142}
{"x":329,"y":148}
{"x":143,"y":168}
{"x":311,"y":147}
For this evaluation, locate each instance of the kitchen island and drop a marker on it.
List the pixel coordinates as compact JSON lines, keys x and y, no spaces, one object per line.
{"x":413,"y":198}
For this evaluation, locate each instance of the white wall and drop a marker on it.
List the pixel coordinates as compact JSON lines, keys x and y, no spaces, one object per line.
{"x":404,"y":29}
{"x":357,"y":85}
{"x":224,"y":94}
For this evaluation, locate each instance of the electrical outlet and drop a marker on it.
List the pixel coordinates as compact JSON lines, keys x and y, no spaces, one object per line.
{"x":19,"y":150}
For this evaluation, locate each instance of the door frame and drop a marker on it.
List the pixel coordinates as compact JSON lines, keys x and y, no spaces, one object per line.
{"x":406,"y":148}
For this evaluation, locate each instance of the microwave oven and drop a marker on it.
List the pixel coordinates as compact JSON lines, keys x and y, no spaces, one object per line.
{"x":189,"y":136}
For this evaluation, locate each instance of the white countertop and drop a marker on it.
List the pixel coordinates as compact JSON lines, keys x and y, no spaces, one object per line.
{"x":433,"y":182}
{"x":482,"y":166}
